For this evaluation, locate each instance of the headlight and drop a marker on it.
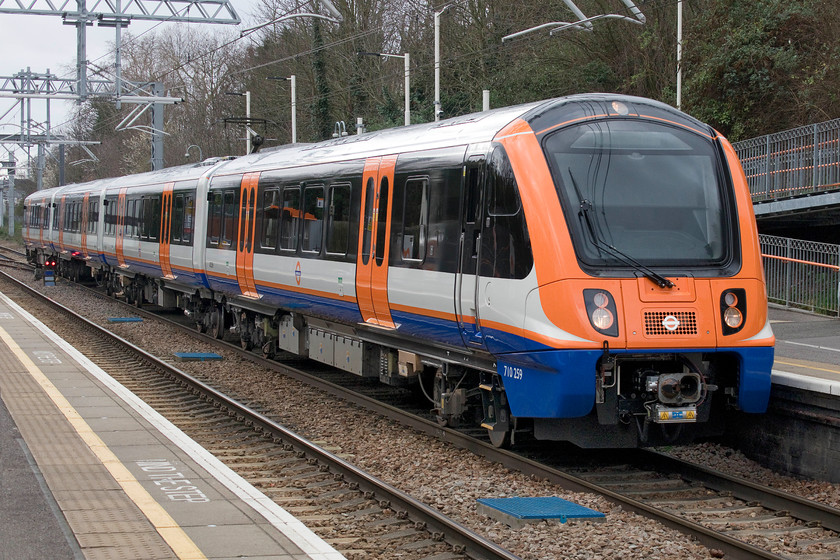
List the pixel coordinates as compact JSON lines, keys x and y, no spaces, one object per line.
{"x":602,"y":319}
{"x":732,"y":317}
{"x":600,"y":307}
{"x":733,"y":309}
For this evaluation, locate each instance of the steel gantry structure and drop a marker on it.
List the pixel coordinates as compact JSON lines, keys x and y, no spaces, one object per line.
{"x":27,"y":85}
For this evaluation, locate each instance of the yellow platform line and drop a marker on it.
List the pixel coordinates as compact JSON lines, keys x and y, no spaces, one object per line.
{"x":805,"y":366}
{"x":172,"y":533}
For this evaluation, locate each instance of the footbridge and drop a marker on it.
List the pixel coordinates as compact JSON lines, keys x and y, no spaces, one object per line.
{"x":794,"y":175}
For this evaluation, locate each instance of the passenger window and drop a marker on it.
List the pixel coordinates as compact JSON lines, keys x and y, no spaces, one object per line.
{"x":370,"y":189}
{"x":381,"y":239}
{"x":289,"y":218}
{"x":270,"y":219}
{"x":230,"y":213}
{"x":415,"y":220}
{"x":177,"y":219}
{"x":130,"y":220}
{"x":338,"y":222}
{"x":153,"y":210}
{"x":93,"y":216}
{"x":214,"y":229}
{"x":189,"y":215}
{"x":134,"y":220}
{"x":313,"y":218}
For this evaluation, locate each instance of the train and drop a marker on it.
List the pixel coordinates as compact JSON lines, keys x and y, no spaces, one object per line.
{"x":583,"y":269}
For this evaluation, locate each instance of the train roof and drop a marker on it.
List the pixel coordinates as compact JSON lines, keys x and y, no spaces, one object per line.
{"x":464,"y":130}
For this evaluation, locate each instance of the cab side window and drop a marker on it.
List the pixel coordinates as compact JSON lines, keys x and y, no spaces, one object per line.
{"x":505,"y":243}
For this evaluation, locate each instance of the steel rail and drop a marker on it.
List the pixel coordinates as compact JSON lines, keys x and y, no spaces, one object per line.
{"x":771,"y":498}
{"x":452,"y":532}
{"x":733,"y":548}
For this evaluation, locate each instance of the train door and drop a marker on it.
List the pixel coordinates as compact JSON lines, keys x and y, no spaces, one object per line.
{"x":62,"y":216}
{"x":466,"y":285}
{"x":374,"y":237}
{"x":247,"y":231}
{"x":83,"y":226}
{"x":166,"y":231}
{"x":120,"y":227}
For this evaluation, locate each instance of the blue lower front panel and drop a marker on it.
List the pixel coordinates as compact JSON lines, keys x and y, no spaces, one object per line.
{"x":561,"y":383}
{"x":549,"y":384}
{"x":756,"y":364}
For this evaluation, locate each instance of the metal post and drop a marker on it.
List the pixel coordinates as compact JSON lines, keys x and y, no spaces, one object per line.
{"x":81,"y":50}
{"x":438,"y":109}
{"x":407,"y":94}
{"x":787,"y":271}
{"x":485,"y":100}
{"x":679,"y":53}
{"x":247,"y":122}
{"x":117,"y":59}
{"x":61,"y":165}
{"x":11,"y":196}
{"x":293,"y":79}
{"x":39,"y":172}
{"x":816,"y":159}
{"x":157,"y":128}
{"x":767,"y":166}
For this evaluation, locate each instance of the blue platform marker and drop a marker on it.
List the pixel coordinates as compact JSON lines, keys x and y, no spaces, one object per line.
{"x":124,"y":319}
{"x":49,"y":278}
{"x":516,"y":512}
{"x":197,"y":356}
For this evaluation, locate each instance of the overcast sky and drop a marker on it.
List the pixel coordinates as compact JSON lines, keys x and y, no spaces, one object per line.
{"x":42,"y":42}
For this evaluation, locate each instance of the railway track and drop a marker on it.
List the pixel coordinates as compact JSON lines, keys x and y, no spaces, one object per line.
{"x":13,"y":259}
{"x":317,"y":486}
{"x":733,"y":517}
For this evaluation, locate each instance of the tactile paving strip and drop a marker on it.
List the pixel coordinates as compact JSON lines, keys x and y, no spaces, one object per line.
{"x":55,"y":447}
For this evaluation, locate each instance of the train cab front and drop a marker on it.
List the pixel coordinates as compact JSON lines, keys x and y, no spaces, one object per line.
{"x":651,"y":290}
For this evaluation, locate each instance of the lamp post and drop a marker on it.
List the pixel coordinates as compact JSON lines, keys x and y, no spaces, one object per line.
{"x":247,"y":96}
{"x":438,"y":109}
{"x":187,"y":152}
{"x":679,"y":53}
{"x":293,"y":81}
{"x":407,"y":59}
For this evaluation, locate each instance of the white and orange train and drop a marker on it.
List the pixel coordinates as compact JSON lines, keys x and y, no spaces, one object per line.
{"x":584,"y":268}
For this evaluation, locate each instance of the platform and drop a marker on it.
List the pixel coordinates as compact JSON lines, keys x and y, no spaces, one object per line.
{"x":807,"y":352}
{"x":89,"y":471}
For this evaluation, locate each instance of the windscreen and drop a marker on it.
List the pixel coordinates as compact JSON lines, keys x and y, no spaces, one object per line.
{"x":637,"y":191}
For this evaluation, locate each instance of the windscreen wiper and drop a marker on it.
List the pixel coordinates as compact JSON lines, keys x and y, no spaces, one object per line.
{"x":585,"y":207}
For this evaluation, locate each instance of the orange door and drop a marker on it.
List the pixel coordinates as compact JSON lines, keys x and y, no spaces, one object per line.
{"x":166,"y":230}
{"x":247,"y":231}
{"x":61,"y":210}
{"x":84,"y":225}
{"x":374,"y":239}
{"x":121,"y":206}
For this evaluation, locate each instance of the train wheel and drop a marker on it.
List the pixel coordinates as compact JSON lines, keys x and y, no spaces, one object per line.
{"x":499,"y":438}
{"x":217,"y":323}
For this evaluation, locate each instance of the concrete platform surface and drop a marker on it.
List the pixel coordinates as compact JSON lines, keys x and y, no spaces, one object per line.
{"x":88,"y":470}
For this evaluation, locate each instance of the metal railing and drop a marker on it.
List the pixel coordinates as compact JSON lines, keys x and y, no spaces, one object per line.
{"x":794,"y":162}
{"x":802,"y":274}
